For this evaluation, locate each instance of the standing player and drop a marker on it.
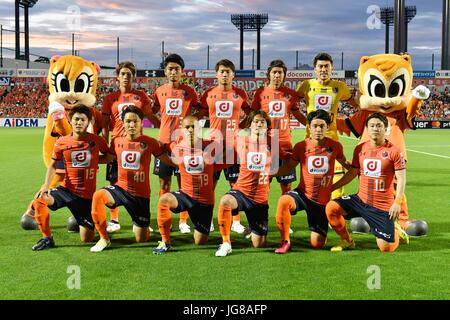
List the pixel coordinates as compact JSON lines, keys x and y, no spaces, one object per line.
{"x":316,"y":156}
{"x":377,"y":161}
{"x":174,"y":101}
{"x":279,"y":102}
{"x":132,"y":189}
{"x":195,"y":158}
{"x":112,"y":109}
{"x":251,"y":191}
{"x":80,"y":153}
{"x":224,"y":104}
{"x":325,"y":93}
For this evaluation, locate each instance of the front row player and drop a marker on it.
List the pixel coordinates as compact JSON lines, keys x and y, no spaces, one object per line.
{"x":195,"y":158}
{"x":132,"y":189}
{"x":80,"y":153}
{"x":251,"y":191}
{"x":377,"y":161}
{"x":316,"y":155}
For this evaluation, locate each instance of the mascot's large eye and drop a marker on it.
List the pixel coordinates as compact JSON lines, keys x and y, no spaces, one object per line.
{"x":60,"y":83}
{"x":83,"y":83}
{"x":376,"y":87}
{"x":397,"y":87}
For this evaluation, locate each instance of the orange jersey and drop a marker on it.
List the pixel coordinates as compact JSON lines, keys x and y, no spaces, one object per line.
{"x":81,"y":162}
{"x":174,"y":104}
{"x":255,"y":164}
{"x":377,"y":168}
{"x":317,"y":167}
{"x":116,"y":101}
{"x":278,"y":104}
{"x":224,"y":112}
{"x":133,"y":158}
{"x":197,"y":169}
{"x":394,"y":133}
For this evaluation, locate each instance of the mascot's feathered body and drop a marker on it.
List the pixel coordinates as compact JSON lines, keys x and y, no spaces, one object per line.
{"x":72,"y":81}
{"x":385,"y":82}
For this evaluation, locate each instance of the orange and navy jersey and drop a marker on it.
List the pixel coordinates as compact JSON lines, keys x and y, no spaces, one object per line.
{"x":81,"y":162}
{"x":115,"y":103}
{"x":224,"y":112}
{"x":317,"y":167}
{"x":133,"y":158}
{"x":174,"y":104}
{"x":278,"y":104}
{"x":397,"y":124}
{"x":377,"y":168}
{"x":197,"y":167}
{"x":255,"y":161}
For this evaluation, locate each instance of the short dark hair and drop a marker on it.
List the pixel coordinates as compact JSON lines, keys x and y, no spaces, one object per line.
{"x":379,"y":116}
{"x":133,"y":109}
{"x":226,"y":63}
{"x":175,"y":58}
{"x":81,"y":109}
{"x":322,"y":56}
{"x":126,"y":64}
{"x":276,"y":64}
{"x":319,"y":114}
{"x":254,"y":113}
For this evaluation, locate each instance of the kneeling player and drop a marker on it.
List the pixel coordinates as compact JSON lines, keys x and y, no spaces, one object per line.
{"x":251,"y":191}
{"x":132,"y":189}
{"x":80,"y":153}
{"x":376,"y":161}
{"x":316,"y":155}
{"x":195,"y":159}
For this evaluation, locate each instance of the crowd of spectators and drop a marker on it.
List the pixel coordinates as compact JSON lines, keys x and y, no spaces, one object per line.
{"x":31,"y":100}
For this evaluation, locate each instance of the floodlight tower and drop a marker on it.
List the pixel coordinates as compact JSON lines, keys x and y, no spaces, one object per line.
{"x":387,"y":18}
{"x":25,"y":4}
{"x":250,"y":22}
{"x":445,"y":54}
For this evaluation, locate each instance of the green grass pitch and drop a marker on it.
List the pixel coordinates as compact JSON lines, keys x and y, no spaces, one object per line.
{"x":130,"y":271}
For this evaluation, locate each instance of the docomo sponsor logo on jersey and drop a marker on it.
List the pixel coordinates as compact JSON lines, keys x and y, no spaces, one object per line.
{"x":131,"y":160}
{"x":224,"y":109}
{"x":256,"y":161}
{"x":81,"y":159}
{"x":193,"y":164}
{"x":372,"y":168}
{"x":317,"y":165}
{"x":174,"y":107}
{"x":277,"y":109}
{"x":323,"y":101}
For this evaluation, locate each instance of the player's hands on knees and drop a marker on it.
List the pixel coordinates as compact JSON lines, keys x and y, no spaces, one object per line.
{"x":43,"y":192}
{"x":394,"y":212}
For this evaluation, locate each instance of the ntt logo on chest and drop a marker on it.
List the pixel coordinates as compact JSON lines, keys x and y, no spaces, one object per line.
{"x":20,"y":122}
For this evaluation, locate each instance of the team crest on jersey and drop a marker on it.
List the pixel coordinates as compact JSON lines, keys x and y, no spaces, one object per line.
{"x":224,"y":109}
{"x":256,"y":161}
{"x":317,"y":165}
{"x":287,"y":96}
{"x":277,"y":109}
{"x":384,"y":155}
{"x":323,"y":101}
{"x":174,"y":107}
{"x":330,"y":149}
{"x":372,"y":168}
{"x":335,"y":90}
{"x":235,"y":96}
{"x":143,"y":146}
{"x":81,"y":159}
{"x":122,"y":106}
{"x":131,"y":160}
{"x":194,"y":164}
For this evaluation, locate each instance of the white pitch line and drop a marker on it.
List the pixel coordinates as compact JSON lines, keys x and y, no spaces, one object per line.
{"x":411,"y":150}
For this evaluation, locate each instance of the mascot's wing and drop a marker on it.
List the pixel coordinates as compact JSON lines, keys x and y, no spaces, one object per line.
{"x":354,"y":124}
{"x":419,"y":94}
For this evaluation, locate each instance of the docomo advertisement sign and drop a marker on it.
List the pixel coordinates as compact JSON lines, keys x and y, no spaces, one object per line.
{"x":308,"y":74}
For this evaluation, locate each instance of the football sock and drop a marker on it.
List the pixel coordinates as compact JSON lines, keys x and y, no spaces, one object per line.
{"x":42,"y":217}
{"x":164,"y":222}
{"x":283,"y":218}
{"x":391,"y":247}
{"x":285,"y":188}
{"x":337,"y":221}
{"x":317,"y":243}
{"x":224,"y":219}
{"x":237,"y":218}
{"x":114,"y":214}
{"x":99,"y":212}
{"x":183,"y":217}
